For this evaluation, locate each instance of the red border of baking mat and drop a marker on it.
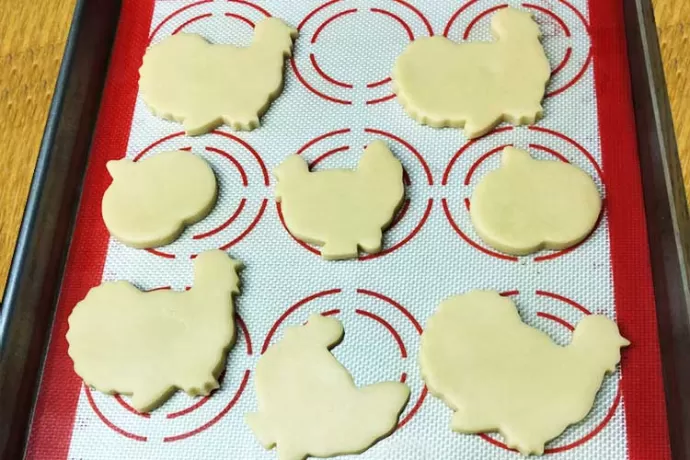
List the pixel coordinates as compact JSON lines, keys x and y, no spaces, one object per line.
{"x":53,"y":420}
{"x":643,"y":391}
{"x":642,"y":384}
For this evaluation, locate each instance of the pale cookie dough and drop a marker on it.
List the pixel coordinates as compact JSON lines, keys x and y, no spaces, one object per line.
{"x":308,"y":402}
{"x":341,"y":209}
{"x":499,"y":374}
{"x":527,"y":205}
{"x":147,"y":344}
{"x":186,"y":79}
{"x":150,"y":202}
{"x":475,"y":85}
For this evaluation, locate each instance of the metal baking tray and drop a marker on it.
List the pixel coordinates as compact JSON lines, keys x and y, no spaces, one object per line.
{"x":36,"y":273}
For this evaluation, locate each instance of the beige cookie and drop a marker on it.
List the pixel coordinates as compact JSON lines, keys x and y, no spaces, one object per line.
{"x":150,"y":202}
{"x":147,"y":344}
{"x":499,"y":374}
{"x":476,"y":85}
{"x":308,"y":402}
{"x":527,"y":205}
{"x":186,"y":79}
{"x":340,"y":209}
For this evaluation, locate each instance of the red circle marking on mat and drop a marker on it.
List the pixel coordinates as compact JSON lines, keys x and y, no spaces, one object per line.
{"x":333,"y":312}
{"x":479,"y":17}
{"x":324,"y":24}
{"x":253,"y":6}
{"x":455,"y":15}
{"x":225,"y":224}
{"x":468,"y":240}
{"x":325,"y":76}
{"x":121,"y":401}
{"x":397,"y":19}
{"x":158,"y":253}
{"x":186,"y":23}
{"x":481,"y":160}
{"x":566,"y":300}
{"x":107,"y":422}
{"x":389,"y":327}
{"x":233,"y":160}
{"x":556,"y":319}
{"x":379,"y":83}
{"x":292,"y":309}
{"x":246,"y":232}
{"x":172,"y":15}
{"x":564,"y":62}
{"x":419,"y":14}
{"x":575,"y":79}
{"x":464,"y":148}
{"x":241,"y":18}
{"x":313,"y":12}
{"x":551,"y":14}
{"x":572,"y":142}
{"x":314,"y":90}
{"x":202,"y":401}
{"x":247,"y":146}
{"x":380,"y":99}
{"x":215,"y":419}
{"x":327,"y":154}
{"x":322,"y":137}
{"x":156,"y":143}
{"x":395,"y":305}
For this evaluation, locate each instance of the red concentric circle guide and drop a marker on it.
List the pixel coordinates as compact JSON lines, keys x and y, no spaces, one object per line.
{"x":323,"y":36}
{"x":234,"y":16}
{"x":384,"y":312}
{"x":553,"y":308}
{"x":241,"y":174}
{"x":110,"y":408}
{"x":460,"y":181}
{"x":566,"y":35}
{"x":323,"y":150}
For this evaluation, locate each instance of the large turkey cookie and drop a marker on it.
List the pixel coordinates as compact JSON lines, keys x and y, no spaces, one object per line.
{"x":150,"y":202}
{"x":340,"y":209}
{"x":308,"y":402}
{"x":499,"y":374}
{"x":186,"y":79}
{"x":527,"y":205}
{"x":147,"y":344}
{"x":475,"y":85}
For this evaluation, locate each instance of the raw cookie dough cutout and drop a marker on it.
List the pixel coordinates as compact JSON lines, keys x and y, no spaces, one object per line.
{"x":147,"y":344}
{"x":499,"y":374}
{"x":186,"y":79}
{"x":308,"y":402}
{"x":476,"y":85}
{"x":150,"y":202}
{"x":527,"y":205}
{"x":341,"y":209}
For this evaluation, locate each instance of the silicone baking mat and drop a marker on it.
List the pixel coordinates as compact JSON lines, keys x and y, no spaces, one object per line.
{"x":337,"y":98}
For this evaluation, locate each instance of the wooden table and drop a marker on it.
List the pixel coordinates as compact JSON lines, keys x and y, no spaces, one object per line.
{"x":32,"y":38}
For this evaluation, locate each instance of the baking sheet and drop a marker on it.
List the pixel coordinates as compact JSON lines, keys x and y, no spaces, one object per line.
{"x":336,"y":100}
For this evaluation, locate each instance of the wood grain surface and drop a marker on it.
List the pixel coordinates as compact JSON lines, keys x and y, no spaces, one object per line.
{"x":32,"y":38}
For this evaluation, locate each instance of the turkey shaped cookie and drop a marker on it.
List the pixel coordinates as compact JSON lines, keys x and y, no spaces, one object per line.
{"x":150,"y":202}
{"x":476,"y":86}
{"x":340,"y":209}
{"x":527,"y":205}
{"x":146,"y":344}
{"x":499,"y":374}
{"x":186,"y":79}
{"x":308,"y":402}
